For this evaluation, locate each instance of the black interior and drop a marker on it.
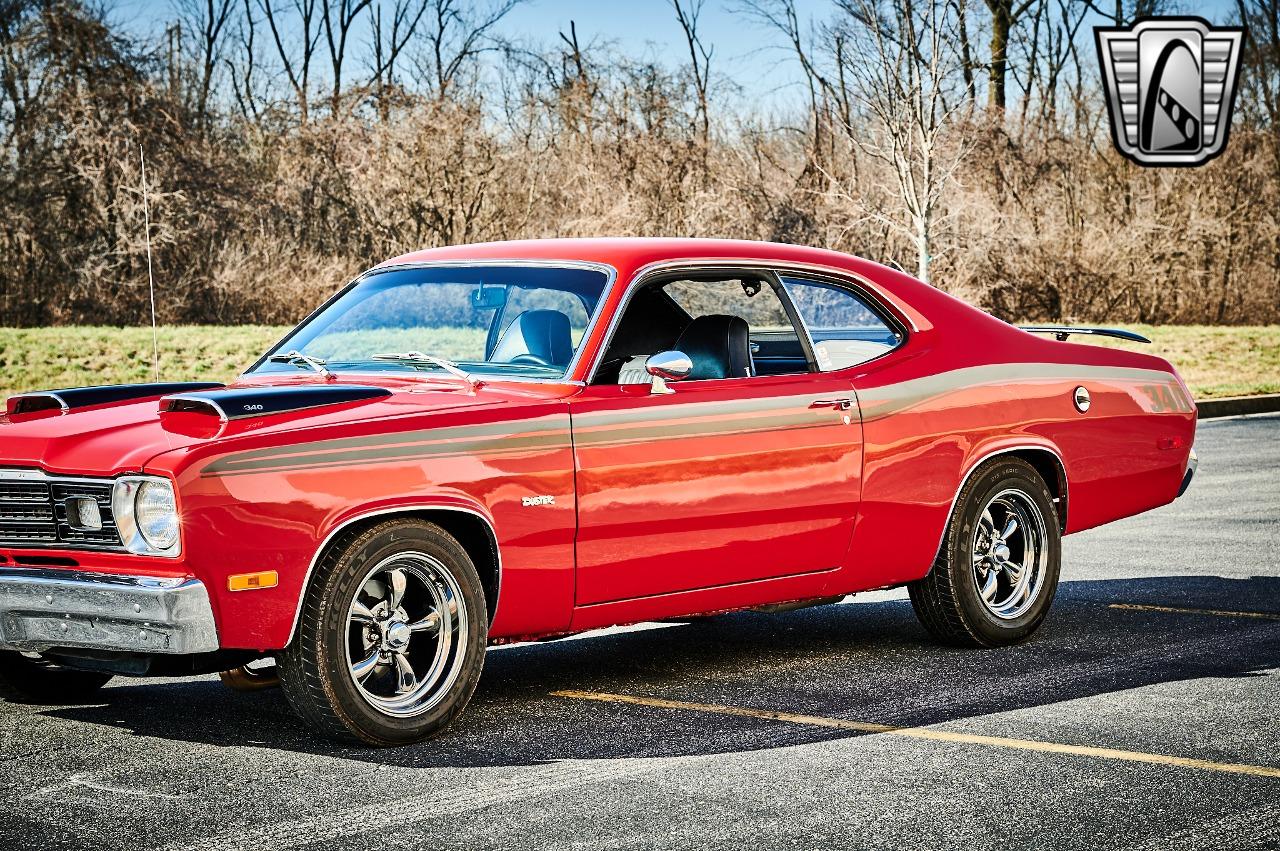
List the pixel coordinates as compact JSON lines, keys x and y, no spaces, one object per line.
{"x":653,"y":322}
{"x":778,"y":353}
{"x":539,"y":337}
{"x":719,"y":346}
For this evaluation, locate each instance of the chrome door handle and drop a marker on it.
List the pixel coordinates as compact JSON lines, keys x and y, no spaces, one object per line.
{"x":838,"y":404}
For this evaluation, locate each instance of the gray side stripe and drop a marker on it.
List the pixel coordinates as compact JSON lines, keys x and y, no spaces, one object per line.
{"x":691,"y":410}
{"x":882,"y":401}
{"x":681,"y":419}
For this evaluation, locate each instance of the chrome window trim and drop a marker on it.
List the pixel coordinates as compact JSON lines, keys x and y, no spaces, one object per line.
{"x":777,"y":267}
{"x":410,"y":508}
{"x":610,"y":273}
{"x":812,"y":367}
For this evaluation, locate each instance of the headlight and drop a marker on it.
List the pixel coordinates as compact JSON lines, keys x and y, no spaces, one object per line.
{"x":146,"y":515}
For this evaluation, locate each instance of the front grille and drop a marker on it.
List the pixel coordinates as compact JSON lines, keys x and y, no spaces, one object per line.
{"x":100,"y":493}
{"x":26,"y":513}
{"x":33,"y":513}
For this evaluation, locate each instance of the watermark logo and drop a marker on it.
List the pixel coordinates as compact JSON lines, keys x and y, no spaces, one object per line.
{"x":1170,"y":85}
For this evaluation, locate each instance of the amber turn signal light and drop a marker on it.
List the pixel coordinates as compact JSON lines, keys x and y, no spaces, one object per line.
{"x":253,"y":581}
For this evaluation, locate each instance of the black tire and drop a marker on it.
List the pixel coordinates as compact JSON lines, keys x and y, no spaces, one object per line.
{"x":316,"y":670}
{"x":26,"y":680}
{"x":949,"y":601}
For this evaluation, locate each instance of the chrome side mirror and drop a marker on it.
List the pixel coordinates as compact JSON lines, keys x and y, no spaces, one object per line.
{"x":667,"y":366}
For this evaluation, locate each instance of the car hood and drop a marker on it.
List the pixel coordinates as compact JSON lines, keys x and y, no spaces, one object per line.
{"x":111,"y":439}
{"x":102,"y":441}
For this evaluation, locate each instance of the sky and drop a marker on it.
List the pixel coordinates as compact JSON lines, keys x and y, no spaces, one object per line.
{"x":746,"y":51}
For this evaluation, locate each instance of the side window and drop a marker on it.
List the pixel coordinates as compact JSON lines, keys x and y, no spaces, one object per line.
{"x":659,"y":314}
{"x":756,"y":302}
{"x":774,"y":341}
{"x":844,"y":328}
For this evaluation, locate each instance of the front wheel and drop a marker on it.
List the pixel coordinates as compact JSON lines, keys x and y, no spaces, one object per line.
{"x":391,"y":638}
{"x":27,"y":680}
{"x":997,"y":571}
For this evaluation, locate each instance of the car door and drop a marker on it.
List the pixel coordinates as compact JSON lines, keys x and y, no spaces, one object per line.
{"x":720,"y":481}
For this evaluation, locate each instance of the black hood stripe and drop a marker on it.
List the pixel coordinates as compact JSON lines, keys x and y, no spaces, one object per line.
{"x":240,"y":402}
{"x":83,"y":397}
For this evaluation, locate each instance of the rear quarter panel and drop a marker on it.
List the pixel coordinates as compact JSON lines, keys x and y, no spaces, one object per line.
{"x":968,"y":386}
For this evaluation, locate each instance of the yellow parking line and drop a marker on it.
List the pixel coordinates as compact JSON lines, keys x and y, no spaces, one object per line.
{"x":927,"y":733}
{"x":1221,"y":613}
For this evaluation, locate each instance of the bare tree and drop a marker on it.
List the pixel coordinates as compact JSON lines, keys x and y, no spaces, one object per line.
{"x":906,"y":66}
{"x":687,"y":14}
{"x":968,"y":65}
{"x":242,"y":70}
{"x":390,"y":35}
{"x":889,"y":156}
{"x":208,"y":18}
{"x":1005,"y":15}
{"x":297,"y":67}
{"x":339,"y":16}
{"x":1260,"y":74}
{"x":1260,"y":80}
{"x":1050,"y":49}
{"x":782,"y":16}
{"x":456,"y":33}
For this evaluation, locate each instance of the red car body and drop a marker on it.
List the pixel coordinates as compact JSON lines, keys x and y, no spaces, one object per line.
{"x":598,"y":505}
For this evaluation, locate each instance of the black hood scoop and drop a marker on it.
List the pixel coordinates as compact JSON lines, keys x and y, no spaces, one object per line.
{"x":240,"y":402}
{"x":83,"y":397}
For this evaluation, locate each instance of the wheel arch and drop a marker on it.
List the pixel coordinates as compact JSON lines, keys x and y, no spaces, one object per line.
{"x":470,"y":527}
{"x":1045,"y":459}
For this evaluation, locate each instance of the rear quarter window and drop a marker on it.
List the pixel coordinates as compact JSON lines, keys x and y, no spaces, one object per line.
{"x":845,"y":329}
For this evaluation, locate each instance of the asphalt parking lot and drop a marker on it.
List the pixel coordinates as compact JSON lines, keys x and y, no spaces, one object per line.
{"x":1144,"y":715}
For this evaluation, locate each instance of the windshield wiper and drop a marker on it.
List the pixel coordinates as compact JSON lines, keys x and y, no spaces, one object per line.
{"x":298,"y":359}
{"x":447,"y":365}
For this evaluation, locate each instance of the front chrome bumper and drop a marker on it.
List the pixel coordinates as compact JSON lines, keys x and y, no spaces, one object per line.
{"x":40,"y":609}
{"x":1193,"y":461}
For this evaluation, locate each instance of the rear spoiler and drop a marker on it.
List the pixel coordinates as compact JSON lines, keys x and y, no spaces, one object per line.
{"x":1062,"y":332}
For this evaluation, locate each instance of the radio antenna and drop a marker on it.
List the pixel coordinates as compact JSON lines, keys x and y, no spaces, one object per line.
{"x":151,"y":281}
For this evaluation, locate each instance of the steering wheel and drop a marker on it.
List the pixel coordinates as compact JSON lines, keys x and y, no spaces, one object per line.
{"x":531,"y":358}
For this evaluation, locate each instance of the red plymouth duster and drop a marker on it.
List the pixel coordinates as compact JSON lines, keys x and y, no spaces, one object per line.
{"x":510,"y":441}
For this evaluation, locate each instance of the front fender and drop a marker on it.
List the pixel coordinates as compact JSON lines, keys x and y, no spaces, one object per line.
{"x":280,"y":517}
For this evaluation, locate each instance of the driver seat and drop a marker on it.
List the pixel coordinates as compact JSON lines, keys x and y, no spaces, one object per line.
{"x":719,"y":346}
{"x":536,"y":336}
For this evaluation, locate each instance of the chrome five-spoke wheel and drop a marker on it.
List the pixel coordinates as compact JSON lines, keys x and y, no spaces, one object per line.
{"x":403,"y":634}
{"x":996,"y":573}
{"x":1009,"y":554}
{"x":392,"y":635}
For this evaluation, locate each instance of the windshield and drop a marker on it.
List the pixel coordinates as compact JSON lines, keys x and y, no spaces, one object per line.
{"x":483,"y":320}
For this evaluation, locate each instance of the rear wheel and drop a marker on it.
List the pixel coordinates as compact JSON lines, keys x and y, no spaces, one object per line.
{"x":997,"y":572}
{"x":391,"y":639}
{"x":27,"y":680}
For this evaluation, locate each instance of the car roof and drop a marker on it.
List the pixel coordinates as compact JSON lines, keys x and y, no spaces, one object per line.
{"x":627,"y":255}
{"x":633,"y":252}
